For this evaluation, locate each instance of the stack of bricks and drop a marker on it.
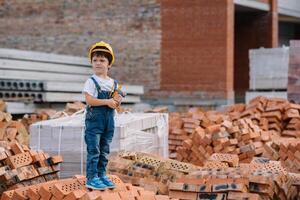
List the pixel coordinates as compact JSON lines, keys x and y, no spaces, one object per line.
{"x":29,"y":119}
{"x":285,"y":150}
{"x":150,"y":172}
{"x":245,"y":130}
{"x":21,"y":166}
{"x":74,"y":188}
{"x":182,"y":126}
{"x":176,"y":133}
{"x":221,"y":177}
{"x":274,"y":114}
{"x":227,"y":179}
{"x":12,"y":131}
{"x":241,"y":137}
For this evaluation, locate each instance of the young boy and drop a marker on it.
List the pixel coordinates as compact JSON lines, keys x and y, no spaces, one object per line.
{"x":99,"y":121}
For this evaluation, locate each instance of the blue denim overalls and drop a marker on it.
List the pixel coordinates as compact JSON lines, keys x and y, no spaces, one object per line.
{"x":99,"y":131}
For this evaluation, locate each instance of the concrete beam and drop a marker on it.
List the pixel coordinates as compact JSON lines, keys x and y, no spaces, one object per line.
{"x":78,"y":86}
{"x":253,"y":4}
{"x":41,"y":76}
{"x":70,"y":97}
{"x":21,"y":65}
{"x":43,"y":57}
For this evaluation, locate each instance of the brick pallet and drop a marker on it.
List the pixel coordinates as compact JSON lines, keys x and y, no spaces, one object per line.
{"x":74,"y":188}
{"x":20,"y":166}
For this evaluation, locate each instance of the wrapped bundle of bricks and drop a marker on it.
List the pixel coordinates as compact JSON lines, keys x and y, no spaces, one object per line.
{"x":150,"y":172}
{"x":74,"y":188}
{"x":20,"y":166}
{"x":261,"y":179}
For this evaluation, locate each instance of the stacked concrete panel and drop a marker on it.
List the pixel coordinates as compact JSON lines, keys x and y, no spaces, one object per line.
{"x":294,"y":66}
{"x":268,"y":72}
{"x":48,"y":78}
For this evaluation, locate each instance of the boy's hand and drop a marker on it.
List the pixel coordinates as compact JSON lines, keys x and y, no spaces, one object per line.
{"x":112,"y":103}
{"x":118,"y":98}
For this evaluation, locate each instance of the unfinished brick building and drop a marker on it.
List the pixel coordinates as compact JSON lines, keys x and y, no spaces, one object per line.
{"x":183,"y":52}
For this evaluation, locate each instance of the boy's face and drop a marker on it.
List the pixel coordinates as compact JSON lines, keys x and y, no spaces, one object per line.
{"x":100,"y":65}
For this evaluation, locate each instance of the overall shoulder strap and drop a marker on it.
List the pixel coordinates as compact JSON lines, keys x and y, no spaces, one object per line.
{"x":96,"y":84}
{"x":115,"y":85}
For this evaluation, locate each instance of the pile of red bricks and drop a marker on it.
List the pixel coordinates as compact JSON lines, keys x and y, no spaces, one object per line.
{"x":74,"y":188}
{"x":261,"y":179}
{"x":241,"y":137}
{"x":287,"y":150}
{"x":274,"y":114}
{"x":20,"y":166}
{"x":27,"y":174}
{"x":11,"y":130}
{"x":183,"y":125}
{"x":221,"y":177}
{"x":244,"y":130}
{"x":150,"y":172}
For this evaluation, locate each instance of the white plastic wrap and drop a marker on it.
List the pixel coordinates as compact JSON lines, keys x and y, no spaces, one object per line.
{"x":268,"y":68}
{"x":143,"y":132}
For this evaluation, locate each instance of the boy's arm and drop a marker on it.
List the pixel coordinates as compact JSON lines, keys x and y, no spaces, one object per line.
{"x":92,"y":101}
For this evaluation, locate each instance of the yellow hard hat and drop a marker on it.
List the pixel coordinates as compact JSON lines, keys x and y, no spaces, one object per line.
{"x":104,"y":47}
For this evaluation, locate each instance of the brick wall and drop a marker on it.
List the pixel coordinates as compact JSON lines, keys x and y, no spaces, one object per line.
{"x":197,"y":47}
{"x":69,"y":27}
{"x":174,"y":48}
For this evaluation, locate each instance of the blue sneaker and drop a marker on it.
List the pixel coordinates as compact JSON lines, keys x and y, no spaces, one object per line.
{"x":109,"y":184}
{"x":95,"y":184}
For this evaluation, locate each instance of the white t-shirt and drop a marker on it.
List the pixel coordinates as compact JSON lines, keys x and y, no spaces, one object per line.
{"x":105,"y":85}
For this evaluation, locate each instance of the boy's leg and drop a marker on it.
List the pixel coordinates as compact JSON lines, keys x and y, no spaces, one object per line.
{"x":105,"y":141}
{"x":93,"y":151}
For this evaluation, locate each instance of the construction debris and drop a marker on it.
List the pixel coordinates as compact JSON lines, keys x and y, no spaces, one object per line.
{"x":261,"y":179}
{"x":245,"y":130}
{"x":74,"y":188}
{"x":242,"y":138}
{"x":221,"y":177}
{"x":21,"y":166}
{"x":12,"y":131}
{"x":286,"y":150}
{"x":148,"y":171}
